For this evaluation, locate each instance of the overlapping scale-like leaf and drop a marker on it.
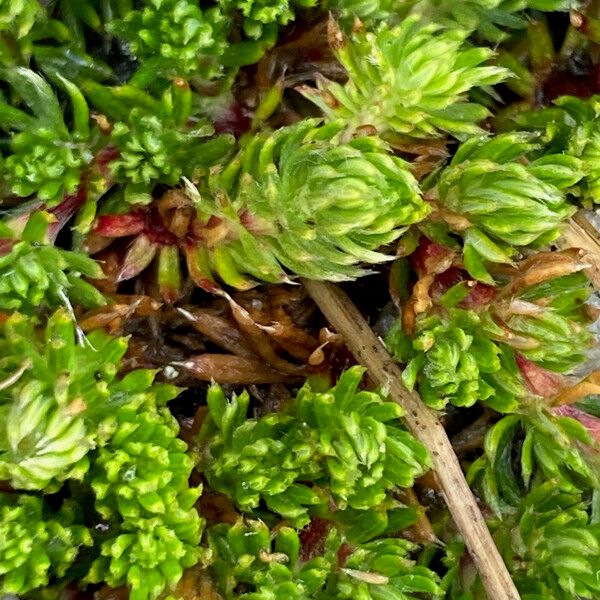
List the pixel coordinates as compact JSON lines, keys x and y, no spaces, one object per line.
{"x":342,"y":439}
{"x":412,"y":79}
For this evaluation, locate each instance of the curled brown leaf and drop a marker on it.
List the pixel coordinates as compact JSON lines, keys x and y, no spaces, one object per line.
{"x":218,"y":329}
{"x":227,"y":368}
{"x":577,"y":392}
{"x":259,"y":340}
{"x":419,"y":302}
{"x":544,"y":266}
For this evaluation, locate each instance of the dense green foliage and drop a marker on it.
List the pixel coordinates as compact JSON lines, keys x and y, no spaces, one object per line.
{"x":48,"y":157}
{"x":175,"y":36}
{"x":63,"y":401}
{"x":36,"y":544}
{"x":270,"y":566}
{"x":492,"y":20}
{"x":152,"y":147}
{"x":556,"y":544}
{"x":463,"y":356}
{"x":552,"y":449}
{"x":52,"y":411}
{"x":260,"y":16}
{"x":356,"y":197}
{"x":18,"y":16}
{"x":507,"y":203}
{"x":415,"y":82}
{"x":343,"y":440}
{"x":36,"y":275}
{"x":570,"y":126}
{"x":455,"y":358}
{"x":140,"y":481}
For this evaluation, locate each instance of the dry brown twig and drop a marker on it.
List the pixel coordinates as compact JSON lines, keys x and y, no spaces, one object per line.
{"x":580,"y":233}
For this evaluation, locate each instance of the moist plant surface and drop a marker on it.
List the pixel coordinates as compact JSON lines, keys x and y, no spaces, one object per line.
{"x":178,"y":421}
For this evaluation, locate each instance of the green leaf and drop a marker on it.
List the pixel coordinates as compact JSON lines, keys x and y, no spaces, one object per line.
{"x":475,"y":265}
{"x":81,"y":113}
{"x":13,"y":118}
{"x":37,"y":224}
{"x":484,"y":247}
{"x":38,"y":96}
{"x":343,"y":439}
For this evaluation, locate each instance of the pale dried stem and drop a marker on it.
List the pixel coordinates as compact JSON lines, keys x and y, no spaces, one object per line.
{"x":580,"y":233}
{"x":423,"y":423}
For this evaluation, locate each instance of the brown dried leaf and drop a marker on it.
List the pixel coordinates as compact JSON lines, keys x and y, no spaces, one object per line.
{"x":114,"y":316}
{"x":110,"y":261}
{"x":196,"y":584}
{"x":594,"y":377}
{"x":576,"y":393}
{"x":544,"y":266}
{"x":313,"y":537}
{"x":326,"y":337}
{"x":219,"y":330}
{"x":318,"y":356}
{"x":419,"y":302}
{"x":142,"y":306}
{"x":260,"y":342}
{"x":111,"y":318}
{"x":295,"y":341}
{"x":227,"y":368}
{"x":422,"y":531}
{"x":176,"y":211}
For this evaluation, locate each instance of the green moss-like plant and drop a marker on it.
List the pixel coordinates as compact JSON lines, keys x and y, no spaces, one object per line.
{"x":269,"y":565}
{"x":47,"y":157}
{"x":18,"y":16}
{"x":529,"y":448}
{"x":462,"y":356}
{"x":140,"y":479}
{"x":36,"y":544}
{"x":303,"y":198}
{"x":175,"y":37}
{"x":260,"y":16}
{"x":36,"y":276}
{"x":409,"y":80}
{"x":505,"y":200}
{"x":552,"y":544}
{"x":62,"y":389}
{"x":344,"y":440}
{"x":454,"y":359}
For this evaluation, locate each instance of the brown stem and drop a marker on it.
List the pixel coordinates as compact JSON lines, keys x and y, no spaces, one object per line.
{"x":422,"y":422}
{"x":422,"y":531}
{"x":472,"y":436}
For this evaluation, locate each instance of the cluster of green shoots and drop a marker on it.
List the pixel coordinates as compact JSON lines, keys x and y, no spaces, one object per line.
{"x":203,"y":149}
